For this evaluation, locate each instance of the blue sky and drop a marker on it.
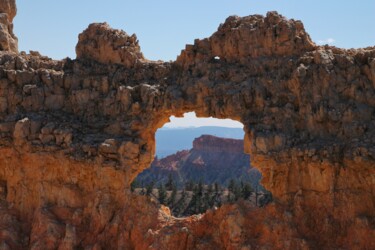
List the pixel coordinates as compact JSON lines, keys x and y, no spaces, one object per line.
{"x":164,"y":27}
{"x":190,"y":120}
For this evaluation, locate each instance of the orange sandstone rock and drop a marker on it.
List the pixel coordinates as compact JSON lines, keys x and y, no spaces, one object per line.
{"x":101,"y":43}
{"x":8,"y":41}
{"x":75,"y":133}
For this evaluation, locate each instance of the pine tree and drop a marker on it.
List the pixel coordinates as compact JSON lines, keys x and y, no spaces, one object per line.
{"x":189,"y":185}
{"x":246,"y":190}
{"x":133,"y":185}
{"x":265,"y":199}
{"x":229,"y":196}
{"x":234,"y":191}
{"x":200,"y":188}
{"x":149,"y":188}
{"x":172,"y":198}
{"x":195,"y":199}
{"x":237,"y":191}
{"x":231,"y":185}
{"x":170,"y":183}
{"x":217,"y":196}
{"x":210,"y":188}
{"x":201,"y":202}
{"x":210,"y":196}
{"x":217,"y":187}
{"x":194,"y":206}
{"x":218,"y":202}
{"x":162,"y":194}
{"x":177,"y":210}
{"x":143,"y":191}
{"x":207,"y":200}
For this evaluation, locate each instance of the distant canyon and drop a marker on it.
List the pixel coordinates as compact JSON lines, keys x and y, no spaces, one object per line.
{"x":74,"y":135}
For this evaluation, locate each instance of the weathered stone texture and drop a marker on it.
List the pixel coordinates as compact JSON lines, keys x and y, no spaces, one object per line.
{"x":243,"y":39}
{"x":75,"y":133}
{"x":101,"y":43}
{"x":8,"y":41}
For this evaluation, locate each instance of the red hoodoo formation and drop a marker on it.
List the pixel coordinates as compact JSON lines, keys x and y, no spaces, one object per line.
{"x":74,"y":134}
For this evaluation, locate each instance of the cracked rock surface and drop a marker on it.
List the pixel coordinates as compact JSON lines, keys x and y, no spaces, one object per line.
{"x":75,"y":133}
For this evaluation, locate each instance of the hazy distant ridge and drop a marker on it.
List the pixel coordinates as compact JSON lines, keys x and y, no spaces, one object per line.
{"x":171,"y":140}
{"x":211,"y":160}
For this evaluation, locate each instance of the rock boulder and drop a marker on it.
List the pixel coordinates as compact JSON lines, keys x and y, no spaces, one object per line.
{"x":103,"y":44}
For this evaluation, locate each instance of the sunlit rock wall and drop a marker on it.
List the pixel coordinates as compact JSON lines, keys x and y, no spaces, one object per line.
{"x":8,"y":41}
{"x":75,"y":133}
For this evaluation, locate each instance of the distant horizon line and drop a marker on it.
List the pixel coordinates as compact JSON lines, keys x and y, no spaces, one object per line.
{"x":186,"y":127}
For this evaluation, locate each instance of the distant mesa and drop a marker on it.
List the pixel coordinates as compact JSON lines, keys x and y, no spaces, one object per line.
{"x":212,"y":159}
{"x":171,"y":140}
{"x":209,"y":143}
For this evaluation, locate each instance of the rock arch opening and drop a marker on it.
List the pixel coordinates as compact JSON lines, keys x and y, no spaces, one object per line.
{"x":200,"y":164}
{"x":75,"y":133}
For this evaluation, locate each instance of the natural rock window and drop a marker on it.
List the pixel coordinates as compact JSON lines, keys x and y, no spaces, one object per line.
{"x":199,"y":165}
{"x":74,"y":134}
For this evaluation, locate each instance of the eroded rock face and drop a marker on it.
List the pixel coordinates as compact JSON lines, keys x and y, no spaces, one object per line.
{"x":74,"y":134}
{"x":101,"y":43}
{"x":8,"y":41}
{"x":243,"y":39}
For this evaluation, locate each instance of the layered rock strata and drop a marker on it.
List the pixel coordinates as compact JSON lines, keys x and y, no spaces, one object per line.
{"x":75,"y":133}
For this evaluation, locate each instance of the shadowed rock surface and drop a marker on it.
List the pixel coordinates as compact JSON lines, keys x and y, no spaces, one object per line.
{"x":74,"y":134}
